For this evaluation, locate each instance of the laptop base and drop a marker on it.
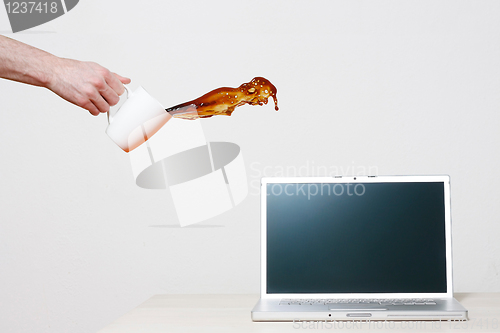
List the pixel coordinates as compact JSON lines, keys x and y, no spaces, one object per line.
{"x":443,"y":310}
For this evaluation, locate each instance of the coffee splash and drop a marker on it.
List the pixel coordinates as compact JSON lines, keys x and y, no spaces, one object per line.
{"x":223,"y":101}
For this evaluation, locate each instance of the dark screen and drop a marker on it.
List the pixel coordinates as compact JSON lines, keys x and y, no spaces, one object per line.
{"x":356,"y":238}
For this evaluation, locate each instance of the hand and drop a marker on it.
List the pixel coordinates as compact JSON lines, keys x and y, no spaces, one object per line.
{"x":86,"y":84}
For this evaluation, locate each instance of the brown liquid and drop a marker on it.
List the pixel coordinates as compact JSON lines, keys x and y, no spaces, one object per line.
{"x":224,"y":100}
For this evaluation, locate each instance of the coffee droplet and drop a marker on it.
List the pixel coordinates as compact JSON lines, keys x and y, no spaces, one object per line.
{"x":211,"y":104}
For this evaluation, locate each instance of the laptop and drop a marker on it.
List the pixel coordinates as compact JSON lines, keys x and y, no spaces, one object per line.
{"x":356,"y":248}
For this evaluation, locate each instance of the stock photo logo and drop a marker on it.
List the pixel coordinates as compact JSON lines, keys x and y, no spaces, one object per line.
{"x":24,"y":15}
{"x":316,"y":189}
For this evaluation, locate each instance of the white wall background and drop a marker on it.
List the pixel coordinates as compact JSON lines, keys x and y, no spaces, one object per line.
{"x":407,"y":87}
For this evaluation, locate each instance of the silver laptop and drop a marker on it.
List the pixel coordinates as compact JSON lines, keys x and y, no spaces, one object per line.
{"x":356,"y":248}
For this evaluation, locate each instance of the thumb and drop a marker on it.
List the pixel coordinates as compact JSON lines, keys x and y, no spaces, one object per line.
{"x":124,"y":80}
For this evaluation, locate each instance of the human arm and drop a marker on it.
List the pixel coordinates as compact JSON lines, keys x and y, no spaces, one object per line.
{"x":82,"y":83}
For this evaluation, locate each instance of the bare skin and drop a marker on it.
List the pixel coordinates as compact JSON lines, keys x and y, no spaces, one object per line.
{"x":85,"y":84}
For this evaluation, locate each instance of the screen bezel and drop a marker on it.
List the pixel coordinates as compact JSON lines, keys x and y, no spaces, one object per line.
{"x":445,"y":179}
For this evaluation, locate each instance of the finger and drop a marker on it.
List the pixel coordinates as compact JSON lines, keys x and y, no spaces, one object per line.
{"x":91,"y":108}
{"x":124,"y":80}
{"x":100,"y":103}
{"x":110,"y":96}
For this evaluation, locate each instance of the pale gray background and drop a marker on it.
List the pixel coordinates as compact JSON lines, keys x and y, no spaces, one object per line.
{"x":404,"y":87}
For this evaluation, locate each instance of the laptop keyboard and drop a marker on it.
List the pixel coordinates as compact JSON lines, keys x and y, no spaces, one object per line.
{"x":399,"y":301}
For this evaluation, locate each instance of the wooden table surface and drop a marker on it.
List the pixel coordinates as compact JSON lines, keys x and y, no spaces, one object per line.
{"x":231,"y":313}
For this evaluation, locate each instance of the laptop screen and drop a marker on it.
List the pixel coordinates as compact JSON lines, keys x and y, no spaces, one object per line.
{"x":356,"y":238}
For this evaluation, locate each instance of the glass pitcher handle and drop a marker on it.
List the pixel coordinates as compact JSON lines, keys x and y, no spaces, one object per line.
{"x":110,"y":117}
